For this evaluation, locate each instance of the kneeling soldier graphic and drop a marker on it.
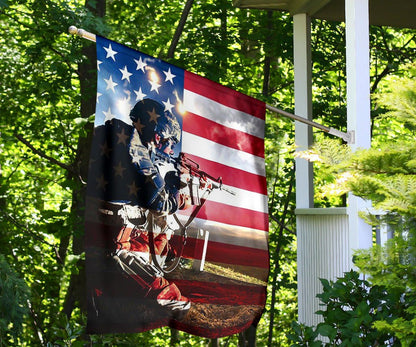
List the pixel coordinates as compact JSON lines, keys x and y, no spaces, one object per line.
{"x":143,"y":242}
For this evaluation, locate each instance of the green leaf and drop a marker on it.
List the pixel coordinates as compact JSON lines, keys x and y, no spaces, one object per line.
{"x":326,"y":330}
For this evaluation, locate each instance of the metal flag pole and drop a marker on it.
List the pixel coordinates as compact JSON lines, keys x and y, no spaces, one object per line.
{"x":348,"y":137}
{"x":82,"y":33}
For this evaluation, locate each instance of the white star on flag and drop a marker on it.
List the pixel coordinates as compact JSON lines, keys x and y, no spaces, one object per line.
{"x":110,"y":83}
{"x":98,"y":64}
{"x":139,"y":94}
{"x":108,"y":115}
{"x":124,"y":106}
{"x":168,"y":105}
{"x":126,"y":74}
{"x":140,"y":64}
{"x":98,"y":95}
{"x":110,"y":53}
{"x":169,"y":76}
{"x":155,"y":86}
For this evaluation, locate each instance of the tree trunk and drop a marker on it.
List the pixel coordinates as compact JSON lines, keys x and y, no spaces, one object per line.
{"x":223,"y":63}
{"x":174,"y":337}
{"x":87,"y":71}
{"x":179,"y":28}
{"x":248,"y":337}
{"x":267,"y":58}
{"x":277,"y":262}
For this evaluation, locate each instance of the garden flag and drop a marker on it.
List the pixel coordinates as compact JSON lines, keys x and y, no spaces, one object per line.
{"x":176,"y":218}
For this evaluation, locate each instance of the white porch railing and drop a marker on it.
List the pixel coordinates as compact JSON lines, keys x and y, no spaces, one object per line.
{"x":323,"y":252}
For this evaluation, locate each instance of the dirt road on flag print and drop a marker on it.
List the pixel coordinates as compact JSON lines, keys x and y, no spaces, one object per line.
{"x":176,"y":220}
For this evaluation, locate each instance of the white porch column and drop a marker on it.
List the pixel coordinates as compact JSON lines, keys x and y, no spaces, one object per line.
{"x":327,"y":237}
{"x":358,"y":106}
{"x":303,"y":106}
{"x":304,"y":173}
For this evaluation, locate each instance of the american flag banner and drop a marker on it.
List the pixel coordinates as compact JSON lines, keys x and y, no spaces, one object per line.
{"x":176,"y":217}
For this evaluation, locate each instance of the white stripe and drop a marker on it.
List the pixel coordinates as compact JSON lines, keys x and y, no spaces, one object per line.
{"x":228,"y":234}
{"x":213,"y":151}
{"x":242,"y":199}
{"x":224,"y":115}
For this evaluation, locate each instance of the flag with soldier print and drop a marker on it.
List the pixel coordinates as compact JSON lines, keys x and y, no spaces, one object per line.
{"x":176,"y":217}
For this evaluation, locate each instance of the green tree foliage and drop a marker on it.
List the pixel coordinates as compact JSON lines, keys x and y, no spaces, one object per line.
{"x":351,"y":306}
{"x":14,"y":296}
{"x":394,"y":182}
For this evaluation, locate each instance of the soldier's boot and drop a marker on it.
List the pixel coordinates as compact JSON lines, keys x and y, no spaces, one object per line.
{"x":171,"y":298}
{"x":150,"y":278}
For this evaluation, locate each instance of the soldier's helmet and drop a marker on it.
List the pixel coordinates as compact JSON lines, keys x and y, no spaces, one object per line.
{"x":149,"y":118}
{"x":168,"y":127}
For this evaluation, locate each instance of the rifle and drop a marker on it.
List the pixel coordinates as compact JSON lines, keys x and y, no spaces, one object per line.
{"x":198,"y":179}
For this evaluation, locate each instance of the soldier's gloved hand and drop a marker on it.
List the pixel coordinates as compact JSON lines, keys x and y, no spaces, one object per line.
{"x":172,"y":182}
{"x":184,"y":201}
{"x":205,"y":183}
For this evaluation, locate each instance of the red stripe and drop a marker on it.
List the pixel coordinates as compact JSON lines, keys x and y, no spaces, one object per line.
{"x":223,"y":135}
{"x":224,"y":95}
{"x":223,"y":294}
{"x":231,"y":176}
{"x":228,"y":254}
{"x":218,"y":212}
{"x":236,"y":255}
{"x":102,"y":236}
{"x":118,"y":285}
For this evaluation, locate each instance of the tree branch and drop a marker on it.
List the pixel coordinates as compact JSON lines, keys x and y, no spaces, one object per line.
{"x":42,"y":154}
{"x":35,"y":235}
{"x":36,"y":325}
